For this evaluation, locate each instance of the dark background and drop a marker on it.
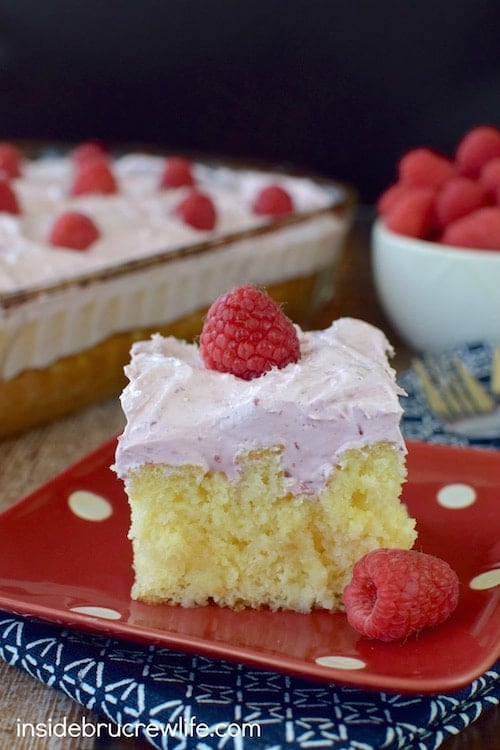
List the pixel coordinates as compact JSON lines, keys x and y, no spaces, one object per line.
{"x":343,"y":88}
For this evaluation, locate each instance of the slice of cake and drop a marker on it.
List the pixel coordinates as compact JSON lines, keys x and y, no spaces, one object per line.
{"x":261,"y":488}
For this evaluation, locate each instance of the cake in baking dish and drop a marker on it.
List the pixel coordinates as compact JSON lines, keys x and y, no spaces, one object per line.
{"x":97,"y":251}
{"x":261,"y":490}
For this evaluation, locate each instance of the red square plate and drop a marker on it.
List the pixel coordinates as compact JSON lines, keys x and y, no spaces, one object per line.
{"x":65,"y":557}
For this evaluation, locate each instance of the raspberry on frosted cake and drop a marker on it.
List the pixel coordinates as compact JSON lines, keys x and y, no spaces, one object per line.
{"x":263,"y":463}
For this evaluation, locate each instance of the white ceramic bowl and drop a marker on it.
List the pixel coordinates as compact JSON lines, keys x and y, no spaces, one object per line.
{"x":436,"y":296}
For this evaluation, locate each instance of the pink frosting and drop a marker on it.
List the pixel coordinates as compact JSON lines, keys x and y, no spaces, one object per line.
{"x":340,"y":394}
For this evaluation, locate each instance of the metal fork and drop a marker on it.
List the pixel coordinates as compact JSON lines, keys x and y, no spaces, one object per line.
{"x":457,"y":398}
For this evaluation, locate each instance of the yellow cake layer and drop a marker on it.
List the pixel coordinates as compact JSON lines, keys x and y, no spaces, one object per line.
{"x":199,"y":538}
{"x":37,"y":396}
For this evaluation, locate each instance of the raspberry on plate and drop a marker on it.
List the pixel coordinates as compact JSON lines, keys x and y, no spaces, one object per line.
{"x":8,"y":199}
{"x":478,"y":230}
{"x":394,"y":593}
{"x":422,"y":167}
{"x":197,"y":210}
{"x":10,"y":161}
{"x":94,"y":176}
{"x":479,"y":146}
{"x":177,"y":173}
{"x":245,"y":333}
{"x":273,"y":200}
{"x":73,"y":230}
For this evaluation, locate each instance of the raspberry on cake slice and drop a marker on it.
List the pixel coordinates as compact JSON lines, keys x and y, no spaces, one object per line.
{"x":245,"y":333}
{"x":261,"y":482}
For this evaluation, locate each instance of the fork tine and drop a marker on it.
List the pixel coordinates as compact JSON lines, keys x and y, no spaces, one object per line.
{"x":449,"y":386}
{"x":451,"y":389}
{"x":495,"y":372}
{"x":479,"y":397}
{"x":434,"y":398}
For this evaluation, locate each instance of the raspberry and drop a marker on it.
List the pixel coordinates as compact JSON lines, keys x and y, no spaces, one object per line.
{"x":479,"y":146}
{"x":10,"y":161}
{"x":246,"y":333}
{"x":478,"y":230}
{"x":413,"y":213}
{"x":422,"y":167}
{"x":88,"y":151}
{"x":177,"y":173}
{"x":490,"y":177}
{"x":8,"y":199}
{"x":73,"y":230}
{"x":94,"y":176}
{"x":197,"y":210}
{"x":457,"y":198}
{"x":394,"y":593}
{"x":273,"y":200}
{"x":390,"y":197}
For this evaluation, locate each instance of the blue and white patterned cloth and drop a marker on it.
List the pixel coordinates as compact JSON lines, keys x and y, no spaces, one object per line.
{"x":202,"y":703}
{"x":153,"y":688}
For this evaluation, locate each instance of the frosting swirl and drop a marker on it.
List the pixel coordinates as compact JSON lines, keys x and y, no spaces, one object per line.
{"x":341,"y":394}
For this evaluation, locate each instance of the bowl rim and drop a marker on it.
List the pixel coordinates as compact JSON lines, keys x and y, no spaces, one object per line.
{"x":467,"y":254}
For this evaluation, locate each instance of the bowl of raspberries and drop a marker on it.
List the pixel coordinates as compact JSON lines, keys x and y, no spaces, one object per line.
{"x":436,"y":244}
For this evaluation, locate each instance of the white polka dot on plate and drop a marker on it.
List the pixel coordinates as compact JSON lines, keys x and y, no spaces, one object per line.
{"x":487,"y":580}
{"x":340,"y":662}
{"x":89,"y":506}
{"x":105,"y":612}
{"x":456,"y":496}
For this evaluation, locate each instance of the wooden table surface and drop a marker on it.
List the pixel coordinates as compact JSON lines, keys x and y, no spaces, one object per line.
{"x":31,"y":459}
